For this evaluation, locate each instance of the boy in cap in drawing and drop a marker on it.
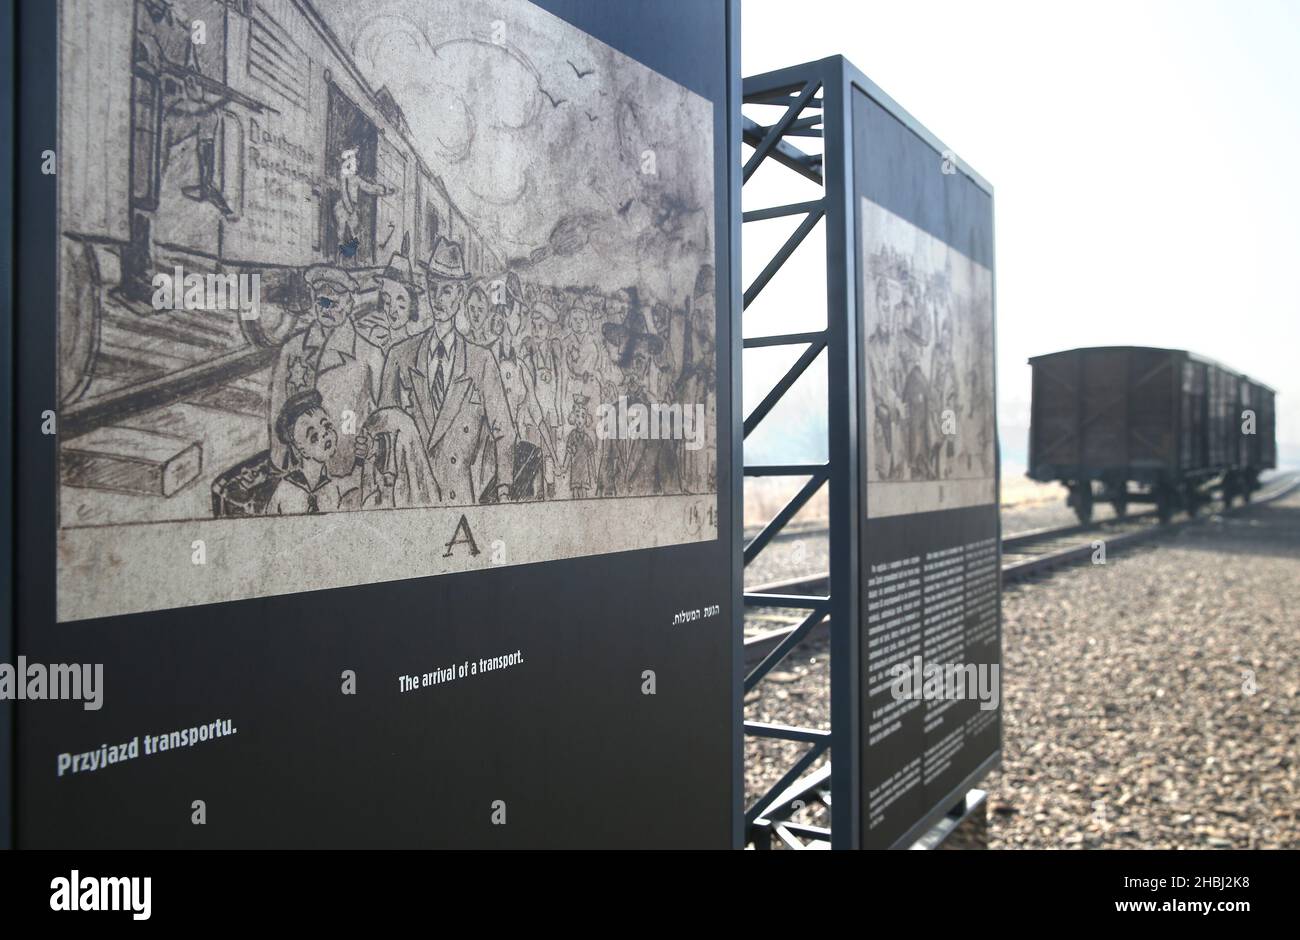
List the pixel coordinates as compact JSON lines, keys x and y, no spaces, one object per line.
{"x":305,"y":428}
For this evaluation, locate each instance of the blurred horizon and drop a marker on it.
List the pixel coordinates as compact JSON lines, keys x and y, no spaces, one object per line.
{"x":1139,"y":158}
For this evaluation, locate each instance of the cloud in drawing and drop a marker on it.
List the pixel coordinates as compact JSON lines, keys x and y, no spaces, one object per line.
{"x":599,"y":176}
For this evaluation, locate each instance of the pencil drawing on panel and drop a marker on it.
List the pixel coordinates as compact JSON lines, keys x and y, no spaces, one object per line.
{"x":444,"y":269}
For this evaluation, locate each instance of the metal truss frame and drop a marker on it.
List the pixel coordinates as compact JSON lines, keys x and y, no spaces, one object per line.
{"x":818,"y":101}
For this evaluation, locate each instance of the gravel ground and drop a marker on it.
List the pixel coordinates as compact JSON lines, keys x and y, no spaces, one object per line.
{"x":1152,"y":702}
{"x":797,"y":692}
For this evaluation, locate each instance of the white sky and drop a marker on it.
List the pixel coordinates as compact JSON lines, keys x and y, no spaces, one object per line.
{"x":1143,"y":155}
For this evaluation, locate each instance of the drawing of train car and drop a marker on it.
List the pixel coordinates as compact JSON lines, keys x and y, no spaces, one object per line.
{"x":231,"y":139}
{"x":241,"y":140}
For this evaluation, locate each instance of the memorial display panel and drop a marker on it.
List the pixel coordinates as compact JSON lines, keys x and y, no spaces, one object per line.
{"x":930,"y":635}
{"x":388,"y":347}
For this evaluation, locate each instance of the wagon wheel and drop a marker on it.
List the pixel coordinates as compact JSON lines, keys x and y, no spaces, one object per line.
{"x":1120,"y":505}
{"x":1229,"y":490}
{"x":1164,"y":503}
{"x":1083,"y":502}
{"x":80,"y":316}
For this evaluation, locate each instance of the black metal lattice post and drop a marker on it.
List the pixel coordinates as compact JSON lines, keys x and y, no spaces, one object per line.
{"x":817,"y":105}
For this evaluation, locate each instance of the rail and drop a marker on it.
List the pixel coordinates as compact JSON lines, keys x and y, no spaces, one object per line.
{"x":1024,"y":556}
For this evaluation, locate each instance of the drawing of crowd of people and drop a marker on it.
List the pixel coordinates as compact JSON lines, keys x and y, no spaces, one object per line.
{"x":447,"y":390}
{"x":929,"y":421}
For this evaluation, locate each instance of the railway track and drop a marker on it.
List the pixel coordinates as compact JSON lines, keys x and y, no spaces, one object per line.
{"x":1025,"y":555}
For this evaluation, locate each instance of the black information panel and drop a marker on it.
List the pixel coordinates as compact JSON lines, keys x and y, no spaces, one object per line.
{"x":373,"y":451}
{"x":930,"y":641}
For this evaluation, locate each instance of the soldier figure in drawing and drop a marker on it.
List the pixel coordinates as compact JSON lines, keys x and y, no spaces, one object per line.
{"x":330,"y":357}
{"x":351,"y":187}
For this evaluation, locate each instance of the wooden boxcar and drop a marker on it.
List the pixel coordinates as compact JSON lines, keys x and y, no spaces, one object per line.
{"x":1130,"y":424}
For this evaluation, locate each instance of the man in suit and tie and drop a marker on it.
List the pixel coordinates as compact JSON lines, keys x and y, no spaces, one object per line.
{"x":452,"y":387}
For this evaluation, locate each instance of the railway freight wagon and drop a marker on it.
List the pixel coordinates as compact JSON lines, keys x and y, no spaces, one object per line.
{"x":1128,"y":424}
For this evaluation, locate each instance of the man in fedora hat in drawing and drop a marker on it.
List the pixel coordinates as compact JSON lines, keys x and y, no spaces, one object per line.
{"x":452,"y":387}
{"x":398,"y":297}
